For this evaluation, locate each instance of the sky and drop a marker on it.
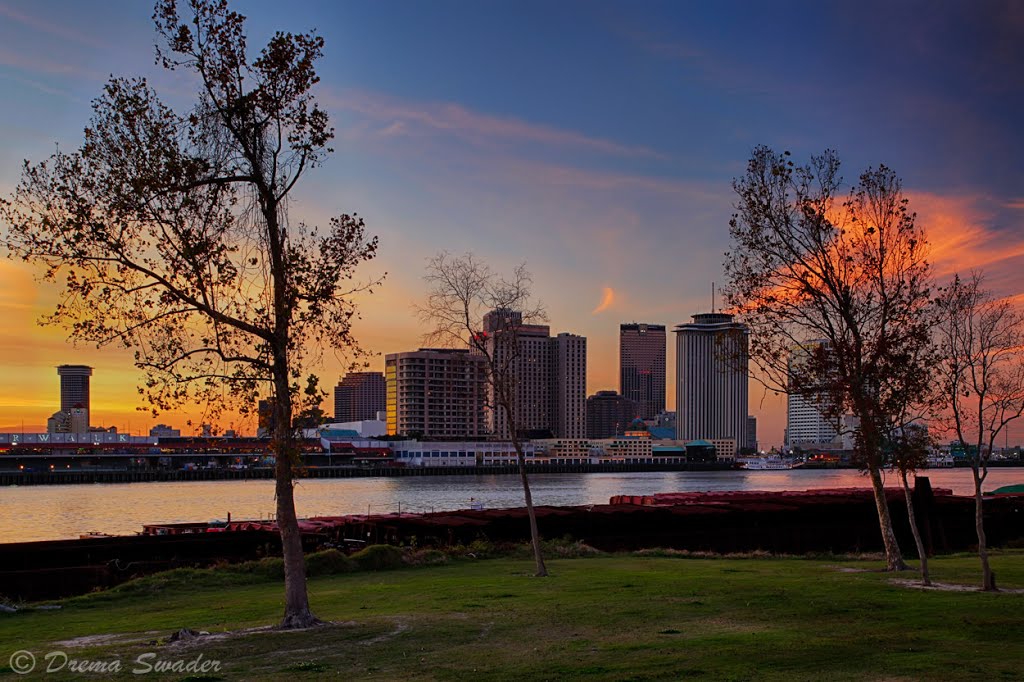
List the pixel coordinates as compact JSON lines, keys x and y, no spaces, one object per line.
{"x":594,"y":141}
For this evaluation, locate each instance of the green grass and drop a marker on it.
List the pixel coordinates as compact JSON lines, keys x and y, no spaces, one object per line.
{"x":602,"y":618}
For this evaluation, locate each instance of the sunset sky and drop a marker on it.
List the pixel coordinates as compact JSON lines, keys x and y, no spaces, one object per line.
{"x":595,"y":141}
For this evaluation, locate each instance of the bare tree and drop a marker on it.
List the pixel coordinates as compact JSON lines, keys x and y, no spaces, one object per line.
{"x":981,"y":337}
{"x":171,"y":235}
{"x":842,"y":280}
{"x":469,"y":305}
{"x":908,"y":449}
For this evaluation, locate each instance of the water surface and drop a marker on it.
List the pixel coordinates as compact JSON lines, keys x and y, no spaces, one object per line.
{"x":66,"y":511}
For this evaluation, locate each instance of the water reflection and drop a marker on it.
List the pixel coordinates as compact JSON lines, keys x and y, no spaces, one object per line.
{"x":53,"y":512}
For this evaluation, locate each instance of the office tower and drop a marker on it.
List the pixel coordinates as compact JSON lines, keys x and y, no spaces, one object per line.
{"x":74,"y":395}
{"x":569,"y":388}
{"x":642,"y":367}
{"x":711,"y":379}
{"x":608,"y":414}
{"x":751,"y":440}
{"x":359,"y":396}
{"x":808,"y":424}
{"x":436,"y":393}
{"x":550,"y":376}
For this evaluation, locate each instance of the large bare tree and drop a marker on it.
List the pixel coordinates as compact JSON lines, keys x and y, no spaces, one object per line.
{"x":171,"y":235}
{"x":469,"y":305}
{"x":841,"y":279}
{"x":981,"y":338}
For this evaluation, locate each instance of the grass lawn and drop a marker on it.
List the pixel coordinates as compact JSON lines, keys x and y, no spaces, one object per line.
{"x":618,"y":617}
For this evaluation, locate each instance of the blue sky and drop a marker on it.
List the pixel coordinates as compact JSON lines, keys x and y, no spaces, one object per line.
{"x":596,"y":141}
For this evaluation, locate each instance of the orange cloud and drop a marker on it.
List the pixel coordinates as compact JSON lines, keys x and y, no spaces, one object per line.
{"x":961,"y":236}
{"x":607,"y":300}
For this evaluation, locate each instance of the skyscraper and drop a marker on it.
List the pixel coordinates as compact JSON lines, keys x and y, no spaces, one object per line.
{"x":642,"y":367}
{"x":550,"y":377}
{"x":711,"y":379}
{"x":359,"y":396}
{"x":74,"y":395}
{"x":569,"y":386}
{"x":436,"y":392}
{"x":807,"y":422}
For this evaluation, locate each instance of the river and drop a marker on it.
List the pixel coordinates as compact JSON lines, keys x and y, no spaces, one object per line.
{"x":66,"y":511}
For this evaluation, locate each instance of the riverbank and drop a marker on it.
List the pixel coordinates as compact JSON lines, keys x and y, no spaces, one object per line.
{"x":794,"y":522}
{"x":604,"y":618}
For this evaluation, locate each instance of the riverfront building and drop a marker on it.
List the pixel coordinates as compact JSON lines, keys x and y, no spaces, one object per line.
{"x":711,"y":381}
{"x":436,"y":393}
{"x":359,"y":396}
{"x":642,"y":367}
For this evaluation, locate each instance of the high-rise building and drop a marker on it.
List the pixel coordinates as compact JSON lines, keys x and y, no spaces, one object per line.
{"x":569,"y":386}
{"x":436,"y":393}
{"x":74,"y":396}
{"x":642,"y":367}
{"x":711,"y":380}
{"x":359,"y":396}
{"x":808,"y":424}
{"x":550,"y":375}
{"x":751,"y":440}
{"x":609,"y":414}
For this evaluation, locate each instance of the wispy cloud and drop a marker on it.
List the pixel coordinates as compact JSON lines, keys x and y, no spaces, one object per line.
{"x":607,"y":301}
{"x":75,"y":35}
{"x":398,"y":116}
{"x":962,"y":238}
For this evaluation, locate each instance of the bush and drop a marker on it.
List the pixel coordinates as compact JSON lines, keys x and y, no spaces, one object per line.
{"x":328,"y":562}
{"x":378,"y":558}
{"x":270,"y":568}
{"x":485,"y":549}
{"x":425,"y":557}
{"x":567,"y":548}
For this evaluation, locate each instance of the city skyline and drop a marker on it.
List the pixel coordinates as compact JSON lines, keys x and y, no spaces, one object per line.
{"x":619,"y":204}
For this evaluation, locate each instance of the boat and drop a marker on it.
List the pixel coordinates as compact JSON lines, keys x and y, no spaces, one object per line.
{"x":939,"y":461}
{"x":767,"y":463}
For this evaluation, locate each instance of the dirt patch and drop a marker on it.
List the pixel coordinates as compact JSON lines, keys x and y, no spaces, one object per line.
{"x":947,"y":587}
{"x":108,"y":639}
{"x":399,"y":629}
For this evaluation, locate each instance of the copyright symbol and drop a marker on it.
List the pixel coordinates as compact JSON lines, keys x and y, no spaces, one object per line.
{"x":23,"y":662}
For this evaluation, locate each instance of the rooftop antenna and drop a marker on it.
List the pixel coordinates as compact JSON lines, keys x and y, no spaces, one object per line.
{"x":712,"y":297}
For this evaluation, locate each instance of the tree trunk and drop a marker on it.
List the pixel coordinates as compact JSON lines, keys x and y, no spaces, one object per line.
{"x":893,"y":556}
{"x":296,"y":600}
{"x":988,"y":579}
{"x":921,"y":552}
{"x":538,"y":557}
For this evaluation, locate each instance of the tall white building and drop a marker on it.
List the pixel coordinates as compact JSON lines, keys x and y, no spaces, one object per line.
{"x":807,"y":424}
{"x":711,"y":380}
